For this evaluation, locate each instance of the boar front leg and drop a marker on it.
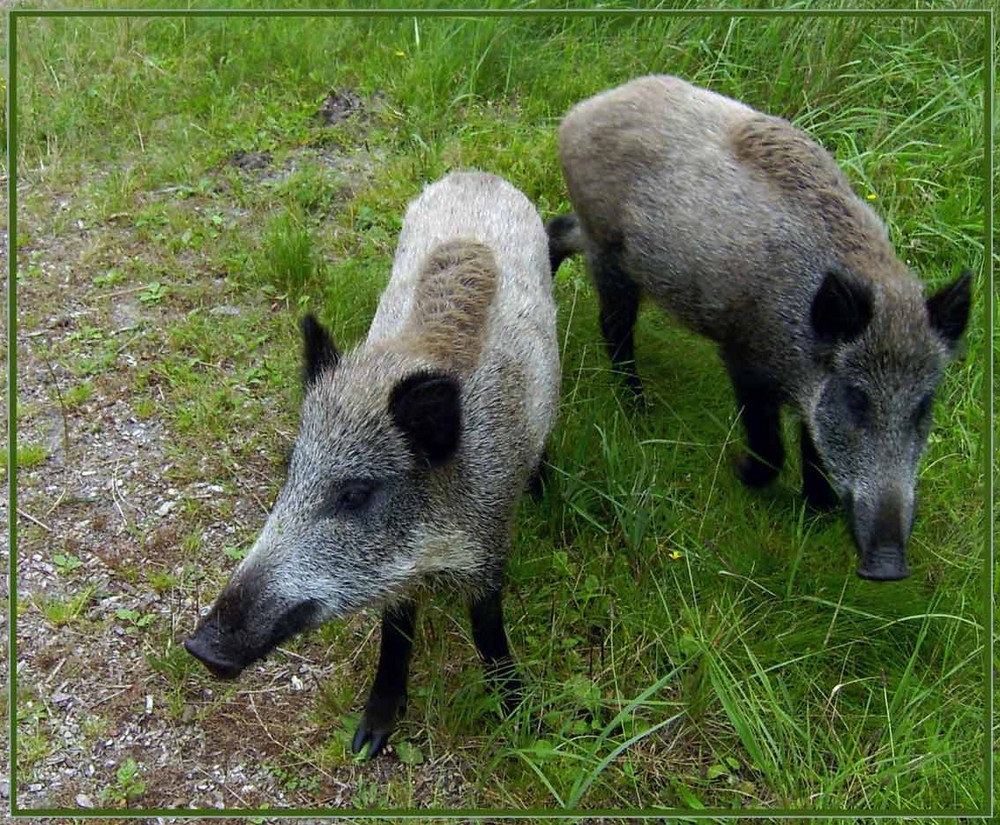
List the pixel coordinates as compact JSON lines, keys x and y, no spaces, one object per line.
{"x":387,"y":699}
{"x":491,"y":642}
{"x":761,"y":406}
{"x":815,"y":488}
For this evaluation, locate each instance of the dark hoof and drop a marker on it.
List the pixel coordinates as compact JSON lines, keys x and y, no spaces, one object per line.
{"x":377,"y":724}
{"x":511,"y":694}
{"x":366,"y":734}
{"x":753,"y":472}
{"x":634,"y":384}
{"x":508,"y":687}
{"x":633,"y":394}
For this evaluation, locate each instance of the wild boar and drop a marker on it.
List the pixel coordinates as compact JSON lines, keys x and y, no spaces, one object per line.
{"x":413,"y":449}
{"x":747,"y":231}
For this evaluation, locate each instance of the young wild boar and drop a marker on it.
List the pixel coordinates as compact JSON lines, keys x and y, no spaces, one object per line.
{"x":747,"y":231}
{"x":413,"y":449}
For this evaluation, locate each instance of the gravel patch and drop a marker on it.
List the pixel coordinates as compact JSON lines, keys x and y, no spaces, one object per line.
{"x":104,"y":719}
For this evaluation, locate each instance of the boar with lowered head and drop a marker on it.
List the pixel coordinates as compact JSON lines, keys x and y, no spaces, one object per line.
{"x":413,"y":448}
{"x":747,"y":231}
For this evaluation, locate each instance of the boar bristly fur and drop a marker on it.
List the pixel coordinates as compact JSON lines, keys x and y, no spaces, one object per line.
{"x":413,"y":448}
{"x":747,"y":231}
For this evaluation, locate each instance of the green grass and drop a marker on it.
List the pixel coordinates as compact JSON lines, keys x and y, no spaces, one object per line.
{"x":28,"y":455}
{"x":59,"y":611}
{"x":685,"y":642}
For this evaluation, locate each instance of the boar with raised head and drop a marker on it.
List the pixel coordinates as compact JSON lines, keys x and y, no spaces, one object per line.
{"x":747,"y":231}
{"x":413,"y":449}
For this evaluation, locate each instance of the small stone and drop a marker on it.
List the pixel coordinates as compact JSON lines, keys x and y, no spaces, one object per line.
{"x":338,"y":106}
{"x":165,"y":508}
{"x":84,"y":801}
{"x":250,"y":160}
{"x":224,"y":310}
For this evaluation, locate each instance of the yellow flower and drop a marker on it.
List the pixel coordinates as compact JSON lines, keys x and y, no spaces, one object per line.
{"x":676,"y":554}
{"x":400,"y":54}
{"x":871,"y":196}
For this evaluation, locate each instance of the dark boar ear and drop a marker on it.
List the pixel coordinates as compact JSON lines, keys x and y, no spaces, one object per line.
{"x":426,"y":406}
{"x":948,"y":308}
{"x":841,"y":309}
{"x":318,"y":351}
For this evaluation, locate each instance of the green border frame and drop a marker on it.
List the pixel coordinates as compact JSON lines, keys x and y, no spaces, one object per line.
{"x":12,"y":15}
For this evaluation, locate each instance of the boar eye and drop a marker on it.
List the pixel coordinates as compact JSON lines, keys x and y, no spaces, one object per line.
{"x":858,"y":404}
{"x":354,"y":496}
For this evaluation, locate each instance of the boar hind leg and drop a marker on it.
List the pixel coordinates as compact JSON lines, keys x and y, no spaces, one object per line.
{"x":619,"y":299}
{"x":536,"y":481}
{"x":761,"y":405}
{"x":815,"y":488}
{"x":387,"y":699}
{"x":491,"y":642}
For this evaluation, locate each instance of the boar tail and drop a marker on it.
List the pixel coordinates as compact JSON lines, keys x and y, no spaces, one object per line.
{"x":565,"y":238}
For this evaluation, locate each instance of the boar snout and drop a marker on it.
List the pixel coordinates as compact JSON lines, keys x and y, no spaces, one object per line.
{"x":885,"y":564}
{"x":206,"y":645}
{"x":227,"y":649}
{"x":880,"y":533}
